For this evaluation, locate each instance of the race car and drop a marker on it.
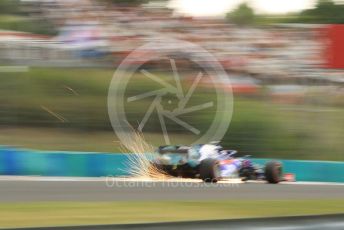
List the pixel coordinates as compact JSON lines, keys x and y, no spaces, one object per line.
{"x":211,"y":163}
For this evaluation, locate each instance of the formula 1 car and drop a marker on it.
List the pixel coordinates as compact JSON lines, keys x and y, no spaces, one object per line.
{"x":211,"y":163}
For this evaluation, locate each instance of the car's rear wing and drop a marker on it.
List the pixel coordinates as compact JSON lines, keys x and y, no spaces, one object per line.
{"x":173,"y":149}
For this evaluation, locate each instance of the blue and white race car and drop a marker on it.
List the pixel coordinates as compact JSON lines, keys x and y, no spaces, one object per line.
{"x":211,"y":163}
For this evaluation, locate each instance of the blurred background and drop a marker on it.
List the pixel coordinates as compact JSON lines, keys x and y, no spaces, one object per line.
{"x":285,"y":63}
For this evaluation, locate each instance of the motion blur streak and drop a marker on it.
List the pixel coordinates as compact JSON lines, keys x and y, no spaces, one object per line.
{"x":283,"y":61}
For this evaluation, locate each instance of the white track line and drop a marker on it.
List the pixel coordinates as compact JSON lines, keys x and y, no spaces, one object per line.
{"x":43,"y":178}
{"x":300,"y":183}
{"x":136,"y":179}
{"x":121,"y":179}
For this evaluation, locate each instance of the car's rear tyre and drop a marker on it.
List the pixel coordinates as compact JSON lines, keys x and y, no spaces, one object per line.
{"x":209,"y":170}
{"x":273,"y":172}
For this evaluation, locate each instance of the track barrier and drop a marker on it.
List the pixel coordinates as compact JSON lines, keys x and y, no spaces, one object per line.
{"x":14,"y":161}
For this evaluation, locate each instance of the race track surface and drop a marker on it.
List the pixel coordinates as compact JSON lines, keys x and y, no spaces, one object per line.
{"x":100,"y":190}
{"x":319,"y":222}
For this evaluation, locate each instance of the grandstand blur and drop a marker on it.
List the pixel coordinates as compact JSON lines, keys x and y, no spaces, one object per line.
{"x":94,"y":33}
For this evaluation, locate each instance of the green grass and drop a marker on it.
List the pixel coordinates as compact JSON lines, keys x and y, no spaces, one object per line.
{"x":69,"y":140}
{"x":312,"y":129}
{"x":11,"y":18}
{"x":86,"y":213}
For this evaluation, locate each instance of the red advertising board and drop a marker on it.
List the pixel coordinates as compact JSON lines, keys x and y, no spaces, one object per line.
{"x":334,"y":46}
